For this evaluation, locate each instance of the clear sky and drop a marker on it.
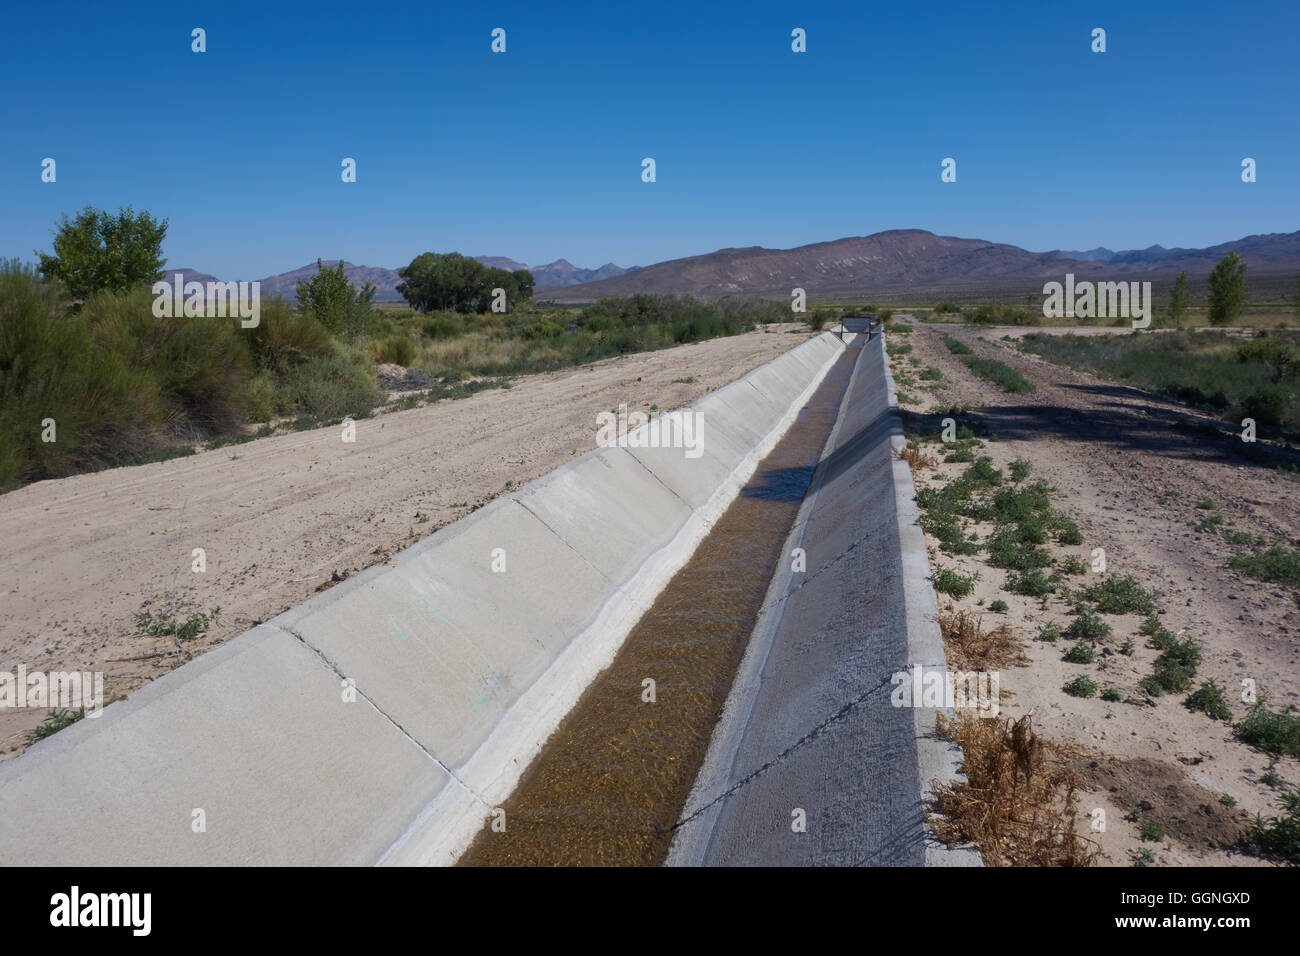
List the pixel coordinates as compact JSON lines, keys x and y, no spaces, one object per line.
{"x":536,"y":153}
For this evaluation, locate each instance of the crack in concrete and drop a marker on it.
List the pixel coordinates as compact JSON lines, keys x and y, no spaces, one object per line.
{"x":379,"y":710}
{"x":806,"y":738}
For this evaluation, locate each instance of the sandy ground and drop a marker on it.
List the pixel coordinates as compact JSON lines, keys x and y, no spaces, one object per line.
{"x":283,"y":517}
{"x":1114,"y":456}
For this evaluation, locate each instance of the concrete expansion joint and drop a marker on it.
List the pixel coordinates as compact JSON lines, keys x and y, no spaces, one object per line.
{"x":806,"y":578}
{"x":379,"y":710}
{"x":563,"y":541}
{"x":670,"y":490}
{"x":812,"y":735}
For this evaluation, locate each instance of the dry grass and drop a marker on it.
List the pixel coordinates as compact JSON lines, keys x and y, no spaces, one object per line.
{"x":1019,"y":799}
{"x":915,"y":458}
{"x":969,"y":647}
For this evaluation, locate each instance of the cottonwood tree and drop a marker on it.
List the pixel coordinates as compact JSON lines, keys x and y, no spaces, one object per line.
{"x":100,"y":251}
{"x":1227,"y":289}
{"x":337,"y":304}
{"x":1178,"y":298}
{"x":452,"y":282}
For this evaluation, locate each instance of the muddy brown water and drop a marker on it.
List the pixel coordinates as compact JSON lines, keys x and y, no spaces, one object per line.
{"x":610,"y":783}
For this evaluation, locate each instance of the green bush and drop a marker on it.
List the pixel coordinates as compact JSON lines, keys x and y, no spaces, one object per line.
{"x":339,"y":306}
{"x":1174,"y":669}
{"x":285,"y":337}
{"x":1033,"y":583}
{"x":51,"y":367}
{"x":1080,"y":652}
{"x":601,"y":323}
{"x":1227,"y":383}
{"x":1272,"y":564}
{"x":1274,"y":732}
{"x":948,"y":581}
{"x":397,"y":349}
{"x":200,"y":364}
{"x":1280,"y":835}
{"x":1001,"y":374}
{"x":1209,"y":700}
{"x":1119,"y":595}
{"x":1087,"y":626}
{"x":1068,"y":533}
{"x":982,"y":473}
{"x":544,"y":329}
{"x":443,"y":325}
{"x":1081,"y":686}
{"x":328,"y":388}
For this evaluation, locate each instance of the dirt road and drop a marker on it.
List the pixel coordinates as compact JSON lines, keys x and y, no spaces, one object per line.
{"x":282,"y":517}
{"x":1130,"y":471}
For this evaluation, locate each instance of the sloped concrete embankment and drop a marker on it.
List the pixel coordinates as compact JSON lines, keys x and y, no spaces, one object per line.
{"x":811,"y":762}
{"x":384,"y":720}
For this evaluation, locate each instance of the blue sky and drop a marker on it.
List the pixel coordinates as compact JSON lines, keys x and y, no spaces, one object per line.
{"x":536,"y":153}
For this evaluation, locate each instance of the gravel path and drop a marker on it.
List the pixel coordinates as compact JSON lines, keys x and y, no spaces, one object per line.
{"x":1130,"y":471}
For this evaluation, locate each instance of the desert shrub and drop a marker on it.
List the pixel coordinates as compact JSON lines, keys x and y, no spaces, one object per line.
{"x":1080,"y":652}
{"x":1274,"y":732}
{"x":601,"y":323}
{"x":1279,"y":835}
{"x":1209,"y":700}
{"x":443,"y":325}
{"x":1018,"y":802}
{"x":1271,"y":564}
{"x":397,"y":349}
{"x":1119,"y":595}
{"x":329,"y":388}
{"x":1174,"y":669}
{"x":285,"y":337}
{"x":1081,"y":686}
{"x":948,"y":581}
{"x":1001,"y":374}
{"x":544,"y":329}
{"x":1087,"y":626}
{"x":1270,"y":405}
{"x":1033,"y":583}
{"x":51,"y":367}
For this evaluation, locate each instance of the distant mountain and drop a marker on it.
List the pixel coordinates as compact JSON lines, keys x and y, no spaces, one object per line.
{"x":898,"y":260}
{"x":1100,"y":254}
{"x":562,"y":273}
{"x":385,"y":280}
{"x":188,"y":275}
{"x":501,"y":262}
{"x":559,"y":273}
{"x":912,"y":259}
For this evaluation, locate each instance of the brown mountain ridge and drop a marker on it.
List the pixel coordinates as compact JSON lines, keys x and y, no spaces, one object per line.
{"x":916,"y":260}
